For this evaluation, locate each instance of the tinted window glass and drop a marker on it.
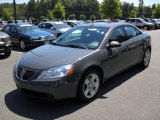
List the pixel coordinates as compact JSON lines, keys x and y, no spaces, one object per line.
{"x":7,"y":29}
{"x":127,"y":20}
{"x":131,"y":31}
{"x":139,"y":21}
{"x":49,"y":26}
{"x":118,"y":35}
{"x":13,"y":28}
{"x":132,"y":20}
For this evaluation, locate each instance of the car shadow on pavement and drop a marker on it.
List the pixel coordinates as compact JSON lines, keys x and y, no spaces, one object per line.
{"x":38,"y":109}
{"x":18,"y":49}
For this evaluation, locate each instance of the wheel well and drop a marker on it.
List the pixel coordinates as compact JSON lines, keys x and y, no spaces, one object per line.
{"x":20,"y":39}
{"x":149,"y":47}
{"x":98,"y":69}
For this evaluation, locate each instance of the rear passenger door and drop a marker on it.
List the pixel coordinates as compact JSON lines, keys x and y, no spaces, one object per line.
{"x":139,"y":23}
{"x":134,"y":44}
{"x":118,"y":56}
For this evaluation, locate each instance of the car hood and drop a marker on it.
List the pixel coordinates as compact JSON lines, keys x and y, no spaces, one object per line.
{"x":37,"y":33}
{"x":48,"y":56}
{"x":3,"y":35}
{"x":64,"y":30}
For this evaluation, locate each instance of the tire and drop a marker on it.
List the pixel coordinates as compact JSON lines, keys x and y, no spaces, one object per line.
{"x":146,"y":58}
{"x":89,"y":85}
{"x":7,"y":54}
{"x":23,"y":45}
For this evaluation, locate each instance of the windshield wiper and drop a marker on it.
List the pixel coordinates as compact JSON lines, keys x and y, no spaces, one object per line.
{"x":76,"y":46}
{"x":54,"y":43}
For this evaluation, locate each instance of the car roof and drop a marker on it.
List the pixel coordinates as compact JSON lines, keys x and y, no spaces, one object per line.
{"x":20,"y":24}
{"x":109,"y":25}
{"x":54,"y":22}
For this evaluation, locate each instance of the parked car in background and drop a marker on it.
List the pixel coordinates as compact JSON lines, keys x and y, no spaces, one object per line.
{"x":102,"y":20}
{"x":27,"y":35}
{"x":150,"y":20}
{"x":2,"y":24}
{"x":74,"y":23}
{"x":55,"y":27}
{"x":158,"y":22}
{"x":5,"y":44}
{"x":140,"y":23}
{"x":79,"y":61}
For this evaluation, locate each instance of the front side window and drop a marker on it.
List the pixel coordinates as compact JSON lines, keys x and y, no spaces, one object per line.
{"x":89,"y":37}
{"x":49,"y":26}
{"x":117,"y":35}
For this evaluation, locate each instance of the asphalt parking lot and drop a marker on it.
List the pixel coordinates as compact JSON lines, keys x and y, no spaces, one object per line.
{"x":132,"y":95}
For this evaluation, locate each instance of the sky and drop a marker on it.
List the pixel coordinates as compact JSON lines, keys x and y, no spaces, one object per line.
{"x":146,"y":2}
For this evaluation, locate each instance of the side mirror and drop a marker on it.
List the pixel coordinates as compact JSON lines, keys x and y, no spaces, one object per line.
{"x":114,"y":44}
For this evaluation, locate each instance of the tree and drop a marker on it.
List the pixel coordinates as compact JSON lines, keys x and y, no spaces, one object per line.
{"x":111,"y":8}
{"x":50,"y":15}
{"x":92,"y":18}
{"x":59,"y":11}
{"x":156,"y":11}
{"x":7,"y":14}
{"x":82,"y":17}
{"x":72,"y":16}
{"x":133,"y":13}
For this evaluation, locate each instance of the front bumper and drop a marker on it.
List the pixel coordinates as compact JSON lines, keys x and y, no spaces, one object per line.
{"x":5,"y":47}
{"x":57,"y":89}
{"x":36,"y":43}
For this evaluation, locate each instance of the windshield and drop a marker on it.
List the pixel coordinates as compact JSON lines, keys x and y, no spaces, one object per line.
{"x":80,"y":23}
{"x":27,"y":28}
{"x":88,"y":37}
{"x":62,"y":25}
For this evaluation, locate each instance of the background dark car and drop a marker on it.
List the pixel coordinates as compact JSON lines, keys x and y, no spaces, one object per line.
{"x":5,"y":44}
{"x":79,"y":61}
{"x":27,"y":35}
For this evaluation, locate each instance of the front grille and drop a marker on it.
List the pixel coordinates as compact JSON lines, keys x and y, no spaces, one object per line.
{"x":27,"y":75}
{"x":19,"y":70}
{"x":24,"y":74}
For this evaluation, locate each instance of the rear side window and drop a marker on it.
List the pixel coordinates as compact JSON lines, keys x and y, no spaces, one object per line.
{"x":131,"y":31}
{"x":138,"y":21}
{"x":117,"y":35}
{"x":132,"y":20}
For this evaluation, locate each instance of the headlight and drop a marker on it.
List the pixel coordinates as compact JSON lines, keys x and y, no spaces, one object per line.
{"x":52,"y":36}
{"x":34,"y":38}
{"x":56,"y":72}
{"x":17,"y":63}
